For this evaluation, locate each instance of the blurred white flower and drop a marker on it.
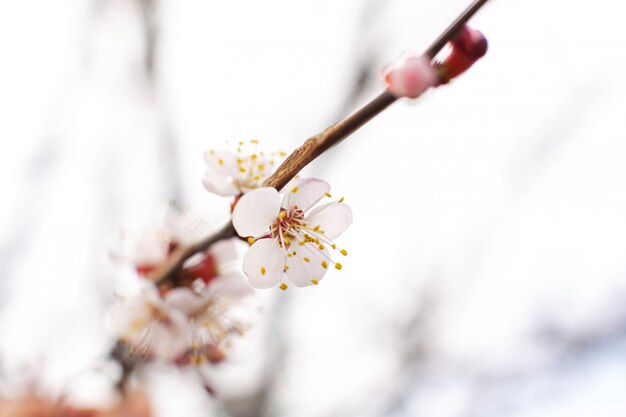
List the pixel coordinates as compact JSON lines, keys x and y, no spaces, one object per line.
{"x":149,"y":326}
{"x":148,"y":250}
{"x":182,"y":325}
{"x":293,"y":237}
{"x":210,"y":324}
{"x":232,"y":174}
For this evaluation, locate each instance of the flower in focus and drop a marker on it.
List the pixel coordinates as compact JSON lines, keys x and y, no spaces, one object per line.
{"x":411,"y":79}
{"x":233,"y":174}
{"x":292,"y":237}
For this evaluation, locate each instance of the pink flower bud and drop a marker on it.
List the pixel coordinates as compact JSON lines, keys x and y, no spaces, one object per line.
{"x":411,"y":79}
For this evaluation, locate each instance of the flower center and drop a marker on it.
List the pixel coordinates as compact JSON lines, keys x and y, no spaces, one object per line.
{"x":288,"y":226}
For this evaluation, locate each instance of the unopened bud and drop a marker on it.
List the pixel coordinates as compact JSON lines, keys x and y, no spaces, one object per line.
{"x":472,"y":42}
{"x":468,"y":47}
{"x":411,"y":79}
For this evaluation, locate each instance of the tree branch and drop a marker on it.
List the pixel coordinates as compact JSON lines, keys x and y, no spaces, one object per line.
{"x":311,"y":149}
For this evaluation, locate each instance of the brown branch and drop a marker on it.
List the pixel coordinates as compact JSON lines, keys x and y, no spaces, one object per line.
{"x":311,"y":149}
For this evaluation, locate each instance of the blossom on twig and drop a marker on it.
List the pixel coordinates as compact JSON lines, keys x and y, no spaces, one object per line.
{"x":291,"y":238}
{"x":149,"y":326}
{"x":148,"y":250}
{"x":233,"y":174}
{"x":183,"y":326}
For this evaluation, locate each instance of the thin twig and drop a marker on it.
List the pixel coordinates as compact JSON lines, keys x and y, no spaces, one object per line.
{"x":312,"y":148}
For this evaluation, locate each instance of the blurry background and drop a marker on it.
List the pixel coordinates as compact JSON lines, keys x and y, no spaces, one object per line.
{"x":487,"y":267}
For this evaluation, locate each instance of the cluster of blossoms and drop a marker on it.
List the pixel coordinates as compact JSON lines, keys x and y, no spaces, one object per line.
{"x":183,"y":312}
{"x":417,"y":75}
{"x":187,"y":321}
{"x":289,"y":236}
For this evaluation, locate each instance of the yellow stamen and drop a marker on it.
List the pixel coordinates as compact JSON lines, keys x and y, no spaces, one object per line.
{"x":338,"y":266}
{"x":242,"y":169}
{"x":294,"y":189}
{"x":314,"y":281}
{"x":261,"y":167}
{"x":287,"y":241}
{"x":321,"y":247}
{"x":344,"y":252}
{"x":328,"y":195}
{"x":324,"y":264}
{"x":263,"y":270}
{"x":220,"y":161}
{"x":340,"y":200}
{"x":286,"y":267}
{"x":282,"y":215}
{"x":251,"y":240}
{"x":254,"y":141}
{"x":306,"y":259}
{"x":283,"y":286}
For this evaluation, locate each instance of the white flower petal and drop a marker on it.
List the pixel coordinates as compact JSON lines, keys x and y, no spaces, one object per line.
{"x":306,"y":267}
{"x":333,"y":218}
{"x":219,"y":183}
{"x":263,"y":264}
{"x":224,"y":251}
{"x":221,"y":170}
{"x":184,"y":300}
{"x":147,"y":247}
{"x":169,"y":337}
{"x":231,"y":285}
{"x":184,"y":226}
{"x":222,"y":162}
{"x":256,"y":211}
{"x":305,"y":193}
{"x":150,"y":326}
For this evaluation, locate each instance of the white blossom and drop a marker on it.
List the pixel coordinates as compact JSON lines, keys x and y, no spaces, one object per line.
{"x":149,"y":326}
{"x":232,"y":174}
{"x":292,"y":237}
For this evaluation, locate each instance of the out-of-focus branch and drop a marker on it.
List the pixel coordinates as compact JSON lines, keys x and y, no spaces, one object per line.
{"x":314,"y":147}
